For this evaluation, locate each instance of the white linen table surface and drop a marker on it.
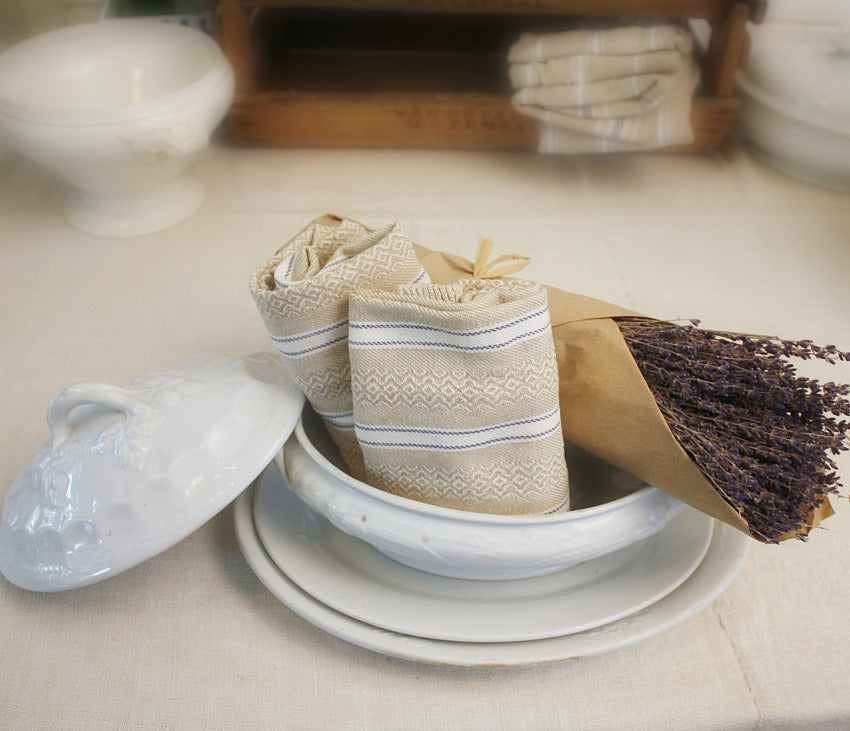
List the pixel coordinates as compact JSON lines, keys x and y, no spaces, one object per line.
{"x":191,"y":639}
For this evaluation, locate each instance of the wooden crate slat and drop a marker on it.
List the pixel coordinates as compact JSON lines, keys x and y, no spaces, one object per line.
{"x":705,"y":9}
{"x":278,"y":112}
{"x":428,"y":121}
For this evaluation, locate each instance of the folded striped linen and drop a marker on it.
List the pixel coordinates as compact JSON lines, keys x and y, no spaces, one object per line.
{"x":606,"y":89}
{"x":617,"y":41}
{"x":585,"y":68}
{"x":302,"y":294}
{"x":611,"y":97}
{"x":455,"y":394}
{"x":615,"y":127}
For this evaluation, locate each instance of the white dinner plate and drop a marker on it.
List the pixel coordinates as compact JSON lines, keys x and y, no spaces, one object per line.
{"x":723,"y":560}
{"x":350,"y":576}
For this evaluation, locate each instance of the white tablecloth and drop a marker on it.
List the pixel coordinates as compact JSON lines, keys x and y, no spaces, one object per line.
{"x":192,"y":639}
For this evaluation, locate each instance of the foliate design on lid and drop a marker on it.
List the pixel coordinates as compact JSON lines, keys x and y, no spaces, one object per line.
{"x":168,"y":387}
{"x":129,"y":443}
{"x":50,"y":507}
{"x":129,"y":471}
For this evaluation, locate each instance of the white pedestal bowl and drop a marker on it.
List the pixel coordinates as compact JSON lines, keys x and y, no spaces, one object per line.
{"x":117,"y":109}
{"x":611,"y":510}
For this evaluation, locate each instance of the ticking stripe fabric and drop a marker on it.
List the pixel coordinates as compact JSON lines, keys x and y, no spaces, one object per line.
{"x":455,"y":395}
{"x":606,"y":89}
{"x":302,"y":294}
{"x":626,"y":40}
{"x":588,"y":68}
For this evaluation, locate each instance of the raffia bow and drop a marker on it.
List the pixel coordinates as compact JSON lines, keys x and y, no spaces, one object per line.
{"x":482,"y":269}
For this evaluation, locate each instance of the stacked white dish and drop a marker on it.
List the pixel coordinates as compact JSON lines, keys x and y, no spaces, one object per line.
{"x":795,"y":93}
{"x":142,"y":466}
{"x":343,"y":580}
{"x":618,"y":511}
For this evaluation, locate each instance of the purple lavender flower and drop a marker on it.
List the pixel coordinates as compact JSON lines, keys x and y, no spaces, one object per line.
{"x":764,"y":436}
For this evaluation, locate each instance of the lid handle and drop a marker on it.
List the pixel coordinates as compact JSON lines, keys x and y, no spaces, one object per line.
{"x":88,"y":394}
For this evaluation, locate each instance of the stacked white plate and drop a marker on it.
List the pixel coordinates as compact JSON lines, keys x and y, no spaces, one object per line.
{"x":347,"y":588}
{"x":795,"y":99}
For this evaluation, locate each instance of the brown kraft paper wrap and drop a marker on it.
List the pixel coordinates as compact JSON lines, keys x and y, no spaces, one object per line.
{"x":606,"y":405}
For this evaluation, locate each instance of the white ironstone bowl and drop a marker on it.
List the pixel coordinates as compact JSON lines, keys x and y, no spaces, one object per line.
{"x":795,"y":102}
{"x":611,"y":510}
{"x":118,"y":110}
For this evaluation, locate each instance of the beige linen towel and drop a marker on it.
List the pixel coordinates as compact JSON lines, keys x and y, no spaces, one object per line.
{"x":606,"y":90}
{"x":621,"y":126}
{"x":302,"y":294}
{"x":584,"y":68}
{"x":455,"y":395}
{"x":644,"y":91}
{"x":619,"y":41}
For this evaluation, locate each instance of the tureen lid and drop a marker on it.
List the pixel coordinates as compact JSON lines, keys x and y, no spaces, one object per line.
{"x":811,"y":75}
{"x":128,"y":472}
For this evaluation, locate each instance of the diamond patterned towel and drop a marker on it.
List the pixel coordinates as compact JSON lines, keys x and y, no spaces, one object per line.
{"x":455,"y":394}
{"x":302,"y":294}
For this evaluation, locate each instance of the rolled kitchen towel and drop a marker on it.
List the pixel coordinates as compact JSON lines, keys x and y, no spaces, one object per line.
{"x":455,"y":395}
{"x":302,"y":294}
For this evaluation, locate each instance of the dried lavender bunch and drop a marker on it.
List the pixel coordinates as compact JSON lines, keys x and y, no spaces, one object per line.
{"x":765,"y":436}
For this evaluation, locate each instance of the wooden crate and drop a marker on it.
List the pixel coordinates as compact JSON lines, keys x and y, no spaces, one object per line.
{"x":432,"y":73}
